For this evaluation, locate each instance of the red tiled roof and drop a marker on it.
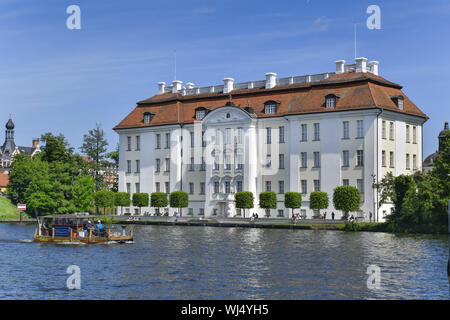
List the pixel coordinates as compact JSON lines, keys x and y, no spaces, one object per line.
{"x":355,"y":91}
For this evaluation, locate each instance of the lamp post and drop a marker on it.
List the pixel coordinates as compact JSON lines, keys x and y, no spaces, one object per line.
{"x":375,"y":200}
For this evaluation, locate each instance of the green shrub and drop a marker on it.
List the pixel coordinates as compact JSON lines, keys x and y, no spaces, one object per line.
{"x":122,"y":199}
{"x":293,"y":200}
{"x":159,"y":200}
{"x":104,"y":199}
{"x":140,"y":200}
{"x":179,"y":199}
{"x":347,"y":199}
{"x":244,"y":200}
{"x":318,"y":200}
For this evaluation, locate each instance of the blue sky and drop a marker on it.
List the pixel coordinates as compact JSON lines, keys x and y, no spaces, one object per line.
{"x":65,"y":81}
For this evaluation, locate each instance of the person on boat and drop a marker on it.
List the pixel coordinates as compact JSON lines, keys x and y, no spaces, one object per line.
{"x":45,"y":230}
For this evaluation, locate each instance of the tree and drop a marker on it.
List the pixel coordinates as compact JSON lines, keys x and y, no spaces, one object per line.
{"x":293,"y":200}
{"x":159,"y":200}
{"x":122,"y":199}
{"x":95,"y":146}
{"x":244,"y":200}
{"x":104,"y":199}
{"x":318,"y":200}
{"x":346,"y":199}
{"x":83,"y":193}
{"x":56,"y":148}
{"x":140,"y":200}
{"x":268,"y":200}
{"x":179,"y":199}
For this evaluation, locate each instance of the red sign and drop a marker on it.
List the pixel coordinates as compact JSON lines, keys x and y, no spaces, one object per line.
{"x":21,"y":207}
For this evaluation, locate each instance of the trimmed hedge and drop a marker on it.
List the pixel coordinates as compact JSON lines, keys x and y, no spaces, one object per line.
{"x":159,"y":200}
{"x":104,"y":199}
{"x":293,"y":200}
{"x":347,"y":199}
{"x":140,"y":200}
{"x":268,"y":200}
{"x":179,"y":199}
{"x":318,"y":200}
{"x":122,"y":199}
{"x":244,"y":200}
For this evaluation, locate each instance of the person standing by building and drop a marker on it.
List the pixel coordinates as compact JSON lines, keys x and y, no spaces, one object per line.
{"x":332,"y":216}
{"x":370,"y":216}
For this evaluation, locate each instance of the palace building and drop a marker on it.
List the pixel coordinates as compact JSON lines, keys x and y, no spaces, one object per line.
{"x":301,"y":133}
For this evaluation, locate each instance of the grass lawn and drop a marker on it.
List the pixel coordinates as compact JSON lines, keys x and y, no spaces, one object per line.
{"x":8,"y":210}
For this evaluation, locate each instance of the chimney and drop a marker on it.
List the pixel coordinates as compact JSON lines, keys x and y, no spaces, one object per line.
{"x":271,"y":80}
{"x":35,"y":143}
{"x":161,"y":87}
{"x":361,"y":64}
{"x":189,"y":85}
{"x":176,"y":86}
{"x":373,"y":65}
{"x":228,"y":85}
{"x":340,"y":66}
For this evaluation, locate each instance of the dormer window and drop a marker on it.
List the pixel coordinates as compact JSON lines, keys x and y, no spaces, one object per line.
{"x":398,"y":100}
{"x":200,"y":113}
{"x":330,"y":101}
{"x":147,"y":117}
{"x":270,"y":107}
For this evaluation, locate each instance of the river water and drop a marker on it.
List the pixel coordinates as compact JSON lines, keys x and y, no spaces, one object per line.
{"x":168,"y":262}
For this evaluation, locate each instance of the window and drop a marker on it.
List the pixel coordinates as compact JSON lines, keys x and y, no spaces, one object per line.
{"x":281,"y":187}
{"x":407,"y":134}
{"x":316,"y":185}
{"x":227,"y":187}
{"x":360,"y":185}
{"x":304,"y":159}
{"x":191,"y":211}
{"x":345,"y":158}
{"x":391,"y":131}
{"x":192,"y":139}
{"x":147,"y":117}
{"x":137,"y":187}
{"x":345,"y":182}
{"x":345,"y":130}
{"x":407,"y":162}
{"x":270,"y":108}
{"x":360,"y":129}
{"x":414,"y":162}
{"x":400,"y":102}
{"x":128,"y":143}
{"x":304,"y":187}
{"x":158,"y":165}
{"x":267,"y":213}
{"x":167,"y":164}
{"x":269,"y":161}
{"x":157,"y":187}
{"x":239,"y":161}
{"x":191,"y":188}
{"x":304,"y":132}
{"x":203,"y":167}
{"x":383,"y":129}
{"x":281,"y":213}
{"x":138,"y":166}
{"x":414,"y":134}
{"x":383,"y":158}
{"x":201,"y":212}
{"x":238,"y":186}
{"x":281,"y":132}
{"x":202,"y":188}
{"x":214,"y":212}
{"x":216,"y":186}
{"x":128,"y":166}
{"x":158,"y":141}
{"x":269,"y":135}
{"x":238,"y":212}
{"x":191,"y":165}
{"x":281,"y":161}
{"x":303,"y":213}
{"x":200,"y":114}
{"x":167,"y":186}
{"x":268,"y":186}
{"x":391,"y":159}
{"x":330,"y":101}
{"x":316,"y":159}
{"x":239,"y":136}
{"x":138,"y":143}
{"x":217,"y":136}
{"x":227,"y":136}
{"x":216,"y":161}
{"x":129,"y":188}
{"x":316,"y":131}
{"x":203,"y":139}
{"x":359,"y":158}
{"x":227,"y":161}
{"x":167,"y":140}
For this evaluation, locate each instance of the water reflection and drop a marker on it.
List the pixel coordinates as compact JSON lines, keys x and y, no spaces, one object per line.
{"x":227,"y":263}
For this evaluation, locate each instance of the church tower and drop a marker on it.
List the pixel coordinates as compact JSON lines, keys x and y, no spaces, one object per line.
{"x":9,"y":146}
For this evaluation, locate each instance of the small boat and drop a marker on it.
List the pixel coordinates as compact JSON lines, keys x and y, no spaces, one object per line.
{"x":75,"y":228}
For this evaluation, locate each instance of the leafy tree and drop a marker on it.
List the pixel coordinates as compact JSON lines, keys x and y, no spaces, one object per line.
{"x":346,"y":199}
{"x":140,"y":200}
{"x":293,"y":200}
{"x":179,"y":199}
{"x":268,"y":200}
{"x":104,"y":199}
{"x":122,"y":199}
{"x":56,"y":148}
{"x":159,"y":200}
{"x":244,"y":200}
{"x":318,"y":200}
{"x":95,"y":146}
{"x":83,"y":193}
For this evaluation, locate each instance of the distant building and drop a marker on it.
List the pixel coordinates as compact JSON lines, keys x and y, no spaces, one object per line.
{"x":4,"y":180}
{"x":109,"y":172}
{"x":428,"y":163}
{"x":9,"y":148}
